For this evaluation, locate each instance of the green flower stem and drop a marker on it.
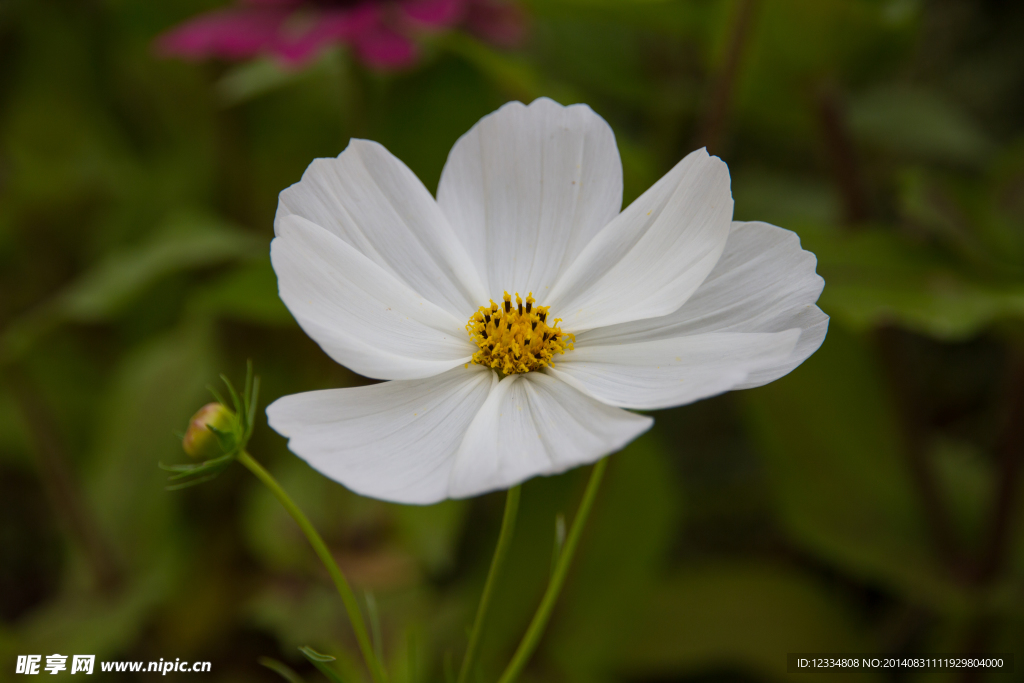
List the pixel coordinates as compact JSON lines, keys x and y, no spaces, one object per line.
{"x":508,"y":527}
{"x":547,"y":603}
{"x":347,"y":596}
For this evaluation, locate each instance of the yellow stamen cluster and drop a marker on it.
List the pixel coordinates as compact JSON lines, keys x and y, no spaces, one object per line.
{"x":514,"y":338}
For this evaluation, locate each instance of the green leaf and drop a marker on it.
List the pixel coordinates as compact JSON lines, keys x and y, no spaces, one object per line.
{"x":841,"y":482}
{"x":105,"y":290}
{"x":970,"y":216}
{"x":189,"y":483}
{"x":280,"y":668}
{"x":373,"y":616}
{"x":322,"y":663}
{"x":247,"y":293}
{"x":876,"y":277}
{"x":198,"y":474}
{"x":183,"y":243}
{"x":252,"y":403}
{"x":236,"y":400}
{"x":251,"y":79}
{"x":195,"y":467}
{"x":228,"y":441}
{"x":917,"y":122}
{"x":738,"y":616}
{"x":314,"y":656}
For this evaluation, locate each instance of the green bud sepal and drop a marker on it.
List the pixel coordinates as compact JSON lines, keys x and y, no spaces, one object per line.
{"x":230,"y":431}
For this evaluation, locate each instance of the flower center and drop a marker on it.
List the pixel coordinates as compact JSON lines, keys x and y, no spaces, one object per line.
{"x":516,"y":338}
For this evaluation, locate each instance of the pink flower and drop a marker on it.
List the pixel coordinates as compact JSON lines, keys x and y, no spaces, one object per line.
{"x":380,"y":32}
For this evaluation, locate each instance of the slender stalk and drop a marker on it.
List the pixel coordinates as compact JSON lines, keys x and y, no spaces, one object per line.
{"x":547,"y":604}
{"x":717,"y":113}
{"x":347,"y":596}
{"x":64,"y":491}
{"x":1010,"y":449}
{"x":508,"y":527}
{"x":915,"y":442}
{"x":842,"y":155}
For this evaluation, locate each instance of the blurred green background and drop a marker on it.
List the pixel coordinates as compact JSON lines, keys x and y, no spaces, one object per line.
{"x":868,"y":502}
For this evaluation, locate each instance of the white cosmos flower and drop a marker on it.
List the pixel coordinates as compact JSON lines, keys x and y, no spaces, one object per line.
{"x":669,"y":301}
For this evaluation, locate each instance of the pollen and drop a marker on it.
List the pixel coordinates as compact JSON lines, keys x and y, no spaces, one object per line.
{"x":516,"y":338}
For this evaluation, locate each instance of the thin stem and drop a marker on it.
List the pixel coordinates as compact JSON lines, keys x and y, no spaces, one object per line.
{"x":508,"y":527}
{"x":921,"y":467}
{"x":716,"y":115}
{"x":63,"y":489}
{"x":842,"y":155}
{"x":547,"y":604}
{"x":347,"y":596}
{"x":1010,"y":449}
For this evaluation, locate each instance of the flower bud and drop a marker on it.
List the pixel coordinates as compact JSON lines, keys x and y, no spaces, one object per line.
{"x":200,"y":441}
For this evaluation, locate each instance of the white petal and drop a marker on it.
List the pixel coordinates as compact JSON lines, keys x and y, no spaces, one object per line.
{"x":533,"y":424}
{"x":672,"y":372}
{"x":653,"y":256}
{"x":372,"y":201}
{"x":764,"y":282}
{"x":362,"y":316}
{"x":527,"y":188}
{"x":395,"y":441}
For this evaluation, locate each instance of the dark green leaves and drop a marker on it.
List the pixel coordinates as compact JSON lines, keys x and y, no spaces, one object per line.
{"x":111,"y":286}
{"x":877,"y":277}
{"x":740,"y":616}
{"x":840,"y":474}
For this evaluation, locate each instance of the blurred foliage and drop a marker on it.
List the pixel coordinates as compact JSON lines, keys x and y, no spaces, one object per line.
{"x":870,"y":501}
